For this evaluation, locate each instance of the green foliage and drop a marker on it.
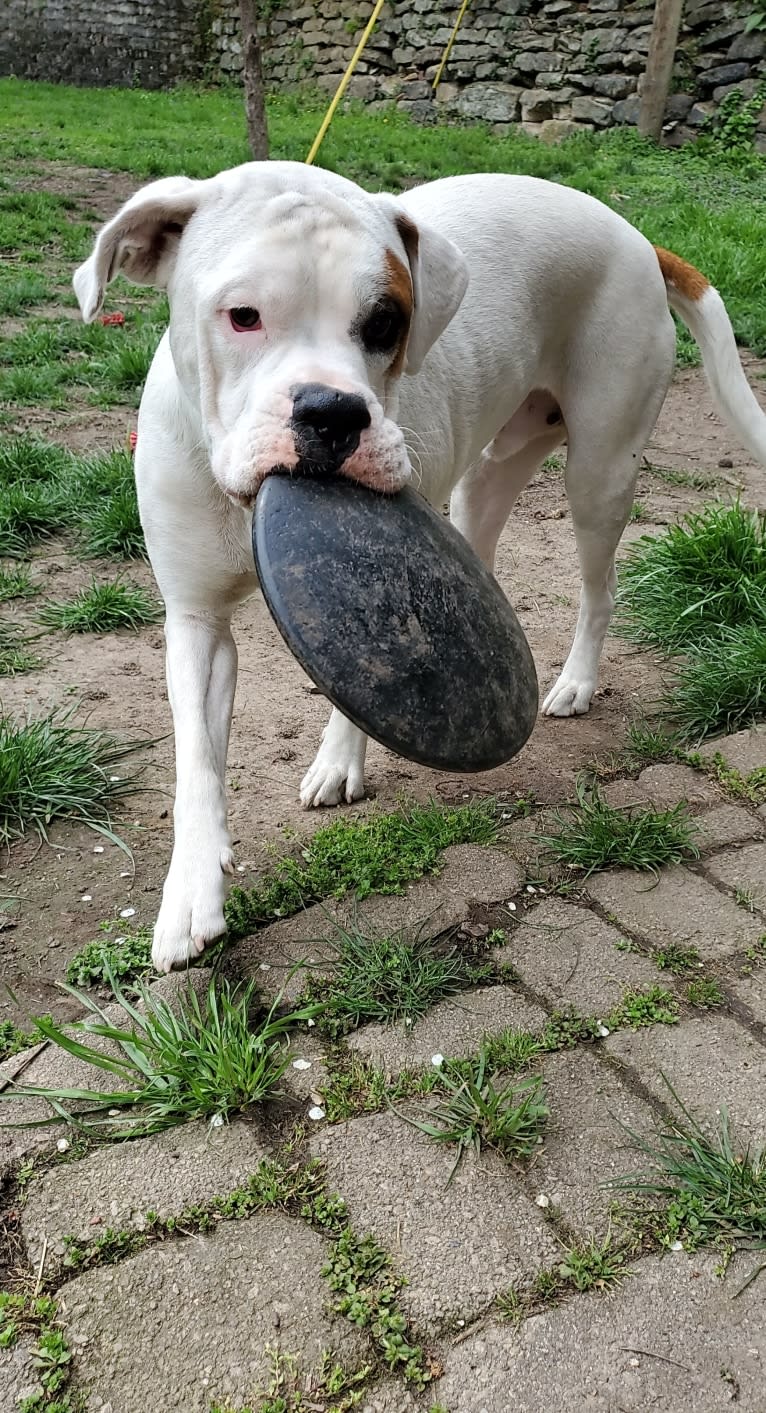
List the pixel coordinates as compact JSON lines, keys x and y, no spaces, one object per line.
{"x":103,"y":608}
{"x":596,"y":1265}
{"x":366,"y":1289}
{"x":47,"y":491}
{"x":36,"y":1316}
{"x":15,"y":583}
{"x":14,"y":657}
{"x":705,"y":993}
{"x":595,"y":835}
{"x":380,"y":854}
{"x":679,"y":961}
{"x":51,"y":769}
{"x":735,"y":122}
{"x":641,"y":1008}
{"x":127,"y":958}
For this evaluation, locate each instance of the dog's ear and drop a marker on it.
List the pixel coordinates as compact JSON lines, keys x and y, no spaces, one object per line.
{"x":141,"y":241}
{"x":439,"y":280}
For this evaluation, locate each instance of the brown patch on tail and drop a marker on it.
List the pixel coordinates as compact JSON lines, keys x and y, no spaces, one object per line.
{"x":689,"y":281}
{"x":399,"y":288}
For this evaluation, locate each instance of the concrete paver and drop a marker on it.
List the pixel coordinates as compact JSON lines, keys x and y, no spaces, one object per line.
{"x":743,"y":869}
{"x":744,"y":751}
{"x":570,"y":957}
{"x":453,"y":1028}
{"x":727,"y":824}
{"x":677,"y":906}
{"x":117,"y":1185}
{"x":663,"y":1341}
{"x":458,"y":1243}
{"x":188,"y":1322}
{"x":712,"y":1062}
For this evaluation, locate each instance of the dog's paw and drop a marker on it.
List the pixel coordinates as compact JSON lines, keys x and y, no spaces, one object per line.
{"x":191,"y":914}
{"x":570,"y":696}
{"x":332,"y":780}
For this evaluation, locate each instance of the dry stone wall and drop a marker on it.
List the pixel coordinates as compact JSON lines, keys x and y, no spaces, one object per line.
{"x":551,"y":65}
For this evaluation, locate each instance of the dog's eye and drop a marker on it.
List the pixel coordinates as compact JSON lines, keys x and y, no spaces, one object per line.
{"x":244,"y":320}
{"x":381,"y":329}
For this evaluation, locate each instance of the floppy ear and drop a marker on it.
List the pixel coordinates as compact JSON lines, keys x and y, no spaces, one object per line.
{"x":439,"y":280}
{"x":141,"y":241}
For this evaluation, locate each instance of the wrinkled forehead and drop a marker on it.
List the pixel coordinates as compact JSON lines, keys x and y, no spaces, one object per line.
{"x":312,"y":247}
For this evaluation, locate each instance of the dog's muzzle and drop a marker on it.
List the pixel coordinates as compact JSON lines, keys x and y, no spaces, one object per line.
{"x":326,"y":425}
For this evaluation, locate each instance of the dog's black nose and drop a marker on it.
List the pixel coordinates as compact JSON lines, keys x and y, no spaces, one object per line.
{"x":327,"y":425}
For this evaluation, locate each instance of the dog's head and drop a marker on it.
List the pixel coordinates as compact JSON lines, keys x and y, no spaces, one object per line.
{"x":297,"y":301}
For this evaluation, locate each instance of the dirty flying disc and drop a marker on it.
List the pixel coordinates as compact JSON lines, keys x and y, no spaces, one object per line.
{"x":396,"y":620}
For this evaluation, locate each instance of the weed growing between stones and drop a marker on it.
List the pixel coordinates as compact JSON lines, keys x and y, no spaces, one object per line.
{"x":679,"y":961}
{"x":595,"y":835}
{"x":367,"y":1291}
{"x":750,"y":787}
{"x":15,"y":583}
{"x":126,"y":956}
{"x":386,"y":979}
{"x":593,"y":1265}
{"x":473,"y":1111}
{"x":13,"y":1040}
{"x":29,"y":1316}
{"x":705,"y":994}
{"x":377,"y":855}
{"x":712,"y":1188}
{"x":291,"y":1389}
{"x":208,"y":1058}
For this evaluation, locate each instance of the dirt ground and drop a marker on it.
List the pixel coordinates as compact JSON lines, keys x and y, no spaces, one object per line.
{"x":62,"y":891}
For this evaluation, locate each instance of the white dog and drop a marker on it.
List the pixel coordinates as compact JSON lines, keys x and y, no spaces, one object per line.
{"x":523,"y":314}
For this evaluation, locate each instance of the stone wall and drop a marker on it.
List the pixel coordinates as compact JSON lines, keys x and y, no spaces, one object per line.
{"x":552,"y":65}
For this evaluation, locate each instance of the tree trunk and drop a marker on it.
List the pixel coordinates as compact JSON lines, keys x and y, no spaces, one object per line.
{"x":252,"y":76}
{"x":659,"y":67}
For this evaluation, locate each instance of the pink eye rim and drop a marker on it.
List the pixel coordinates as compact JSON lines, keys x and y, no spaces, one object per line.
{"x":244,"y":319}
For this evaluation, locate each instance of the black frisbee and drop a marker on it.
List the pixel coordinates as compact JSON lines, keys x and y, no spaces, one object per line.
{"x":396,"y":620}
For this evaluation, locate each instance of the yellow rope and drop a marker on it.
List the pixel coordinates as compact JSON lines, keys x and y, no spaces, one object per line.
{"x":343,"y":85}
{"x":450,"y":42}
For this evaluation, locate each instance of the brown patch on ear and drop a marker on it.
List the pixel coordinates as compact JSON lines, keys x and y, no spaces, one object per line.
{"x":398,"y":287}
{"x":684,"y":277}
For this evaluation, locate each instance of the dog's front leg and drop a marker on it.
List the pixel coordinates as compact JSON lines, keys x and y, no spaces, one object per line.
{"x":202,"y":675}
{"x":338,"y":770}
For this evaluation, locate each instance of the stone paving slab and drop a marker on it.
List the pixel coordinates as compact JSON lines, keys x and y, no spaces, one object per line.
{"x":677,"y":907}
{"x":458,"y":1243}
{"x":453,"y":1028}
{"x":745,"y":869}
{"x":18,"y":1376}
{"x":115,"y":1186}
{"x":660,"y":1342}
{"x":188,"y":1322}
{"x":712,"y":1062}
{"x":393,"y":1397}
{"x":727,"y":824}
{"x":663,"y":786}
{"x":570,"y":957}
{"x":585,"y":1148}
{"x":744,"y":751}
{"x":751,"y":990}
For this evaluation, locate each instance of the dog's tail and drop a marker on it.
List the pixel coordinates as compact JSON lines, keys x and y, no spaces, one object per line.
{"x":703,"y":311}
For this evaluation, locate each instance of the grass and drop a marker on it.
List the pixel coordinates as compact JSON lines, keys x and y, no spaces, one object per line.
{"x":127,"y":958}
{"x":51,"y":770}
{"x":595,"y":1265}
{"x":380,"y":854}
{"x":596,"y":835}
{"x":13,"y":1040}
{"x":35,"y":1317}
{"x":327,"y":1388}
{"x":711,"y":1185}
{"x":46,"y":491}
{"x":473,"y":1110}
{"x":50,"y":360}
{"x":14,"y":657}
{"x":103,"y":608}
{"x":679,"y":961}
{"x":389,"y":978}
{"x":705,"y":994}
{"x":699,"y":590}
{"x":16,"y":583}
{"x":207,"y":1058}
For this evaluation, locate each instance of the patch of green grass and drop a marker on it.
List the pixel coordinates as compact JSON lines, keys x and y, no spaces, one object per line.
{"x":126,"y":957}
{"x":16,"y":583}
{"x":36,"y":1317}
{"x":682,"y":586}
{"x":108,"y":523}
{"x":705,"y":993}
{"x":28,"y":459}
{"x":745,"y":898}
{"x":389,"y":978}
{"x":473,"y":1111}
{"x":679,"y":961}
{"x":380,"y":854}
{"x":327,"y":1388}
{"x":693,"y":480}
{"x":103,"y":608}
{"x":51,"y":769}
{"x":29,"y":512}
{"x":712,"y":1187}
{"x":20,"y":292}
{"x":721,"y":686}
{"x":648,"y":744}
{"x":367,"y":1288}
{"x":206,"y":1058}
{"x":14,"y":657}
{"x":357,"y":1086}
{"x":46,"y":491}
{"x":638,"y":511}
{"x":595,"y":835}
{"x":751,"y":787}
{"x":640,"y":1008}
{"x":595,"y":1265}
{"x":13,"y":1040}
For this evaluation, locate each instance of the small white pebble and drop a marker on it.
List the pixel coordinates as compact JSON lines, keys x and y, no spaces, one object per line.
{"x":118,"y":941}
{"x":87,"y":898}
{"x":98,"y":848}
{"x":634,"y":1363}
{"x":511,"y":907}
{"x":603,"y":1029}
{"x":264,"y":966}
{"x":113,"y":778}
{"x":241,"y":868}
{"x":126,"y":873}
{"x":310,"y":1022}
{"x":542,"y":1200}
{"x":62,"y":1145}
{"x":676,"y":1246}
{"x":316,"y":1113}
{"x":127,"y":912}
{"x":301,"y":1064}
{"x":408,"y":1020}
{"x":530,"y":889}
{"x":114,"y":1113}
{"x":437,"y":1060}
{"x":216,"y":1121}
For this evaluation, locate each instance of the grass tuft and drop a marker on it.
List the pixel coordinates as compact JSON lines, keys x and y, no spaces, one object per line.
{"x":127,"y":958}
{"x":51,"y":770}
{"x":206,"y":1058}
{"x":389,"y":978}
{"x":721,"y":686}
{"x":14,"y":657}
{"x":103,"y":608}
{"x":15,"y":583}
{"x":595,"y":835}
